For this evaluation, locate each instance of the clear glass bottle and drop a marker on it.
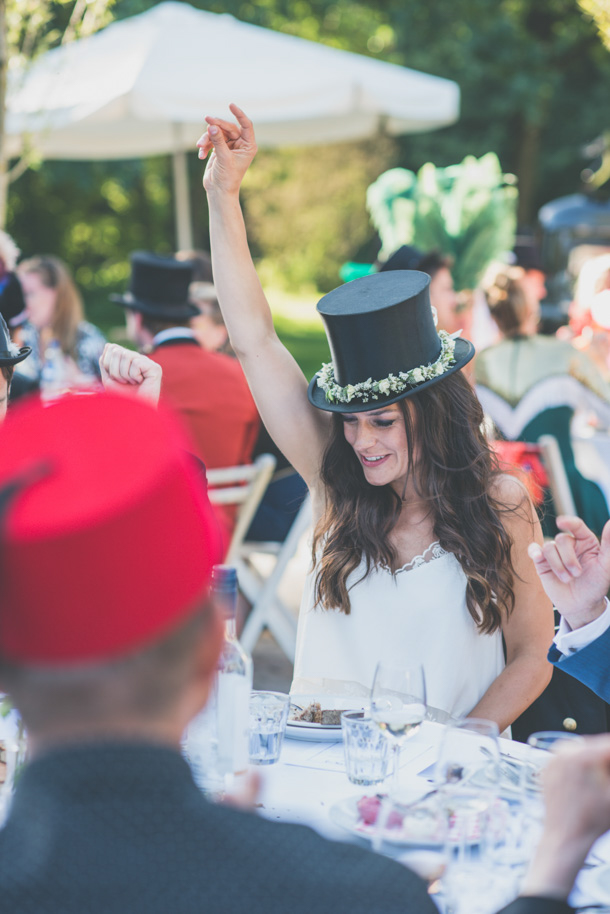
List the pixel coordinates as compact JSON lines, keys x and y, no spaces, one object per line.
{"x":200,"y":748}
{"x":234,"y":679}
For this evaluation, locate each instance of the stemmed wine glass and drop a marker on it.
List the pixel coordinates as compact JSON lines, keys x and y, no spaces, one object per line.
{"x":467,"y":777}
{"x":398,"y":706}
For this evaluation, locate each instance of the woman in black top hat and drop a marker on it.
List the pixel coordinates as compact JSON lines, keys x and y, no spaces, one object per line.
{"x":388,"y":439}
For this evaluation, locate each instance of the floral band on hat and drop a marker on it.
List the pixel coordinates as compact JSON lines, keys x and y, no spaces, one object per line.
{"x":393,"y":384}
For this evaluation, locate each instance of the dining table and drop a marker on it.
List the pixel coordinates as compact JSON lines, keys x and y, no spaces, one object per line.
{"x":309,"y":786}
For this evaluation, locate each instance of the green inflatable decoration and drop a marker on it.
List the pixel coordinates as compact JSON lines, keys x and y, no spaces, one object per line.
{"x":466,"y":211}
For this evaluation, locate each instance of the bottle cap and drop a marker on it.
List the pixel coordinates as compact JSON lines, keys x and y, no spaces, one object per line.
{"x":224,"y":578}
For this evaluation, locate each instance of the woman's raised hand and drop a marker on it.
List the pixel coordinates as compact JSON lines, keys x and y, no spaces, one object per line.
{"x":233,"y":147}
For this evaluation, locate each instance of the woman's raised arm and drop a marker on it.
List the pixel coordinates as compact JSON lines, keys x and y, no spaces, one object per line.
{"x":277,"y":383}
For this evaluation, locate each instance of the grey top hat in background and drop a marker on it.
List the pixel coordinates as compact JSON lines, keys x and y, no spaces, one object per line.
{"x":384,"y":343}
{"x":10,"y":354}
{"x":12,"y":302}
{"x":159,"y":287}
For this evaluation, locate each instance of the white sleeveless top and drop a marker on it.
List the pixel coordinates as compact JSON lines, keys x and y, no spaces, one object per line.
{"x":417,"y":616}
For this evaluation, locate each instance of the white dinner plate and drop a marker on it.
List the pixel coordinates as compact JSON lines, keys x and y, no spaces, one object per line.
{"x":306,"y":729}
{"x":345,"y":815}
{"x":602,"y":880}
{"x":302,"y":729}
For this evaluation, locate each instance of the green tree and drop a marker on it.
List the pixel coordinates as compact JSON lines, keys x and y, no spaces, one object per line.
{"x":599,"y":11}
{"x":28,"y":28}
{"x":533,"y":76}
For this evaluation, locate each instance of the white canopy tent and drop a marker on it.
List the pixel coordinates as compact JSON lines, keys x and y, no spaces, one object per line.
{"x":142,"y":86}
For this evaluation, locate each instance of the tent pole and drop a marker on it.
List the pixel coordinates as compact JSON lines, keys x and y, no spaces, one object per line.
{"x":182,"y":203}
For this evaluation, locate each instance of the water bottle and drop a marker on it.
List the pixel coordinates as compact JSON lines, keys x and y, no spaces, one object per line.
{"x":233,"y":680}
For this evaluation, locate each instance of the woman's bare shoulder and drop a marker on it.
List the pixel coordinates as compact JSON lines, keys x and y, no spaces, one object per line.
{"x":510,"y":491}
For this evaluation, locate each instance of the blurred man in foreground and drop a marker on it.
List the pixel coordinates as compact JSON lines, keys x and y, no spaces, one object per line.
{"x":108,"y":647}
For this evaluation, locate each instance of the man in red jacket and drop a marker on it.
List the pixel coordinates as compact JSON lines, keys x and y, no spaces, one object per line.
{"x":207,"y":389}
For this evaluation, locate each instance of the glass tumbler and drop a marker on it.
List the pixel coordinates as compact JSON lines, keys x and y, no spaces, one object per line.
{"x":268,"y":716}
{"x":365,"y":747}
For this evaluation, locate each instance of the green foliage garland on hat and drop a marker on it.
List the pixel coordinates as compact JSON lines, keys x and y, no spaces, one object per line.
{"x":466,"y":211}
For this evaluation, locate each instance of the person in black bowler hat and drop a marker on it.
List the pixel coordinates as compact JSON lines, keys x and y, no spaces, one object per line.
{"x":10,"y":355}
{"x":443,"y":296}
{"x":420,"y":543}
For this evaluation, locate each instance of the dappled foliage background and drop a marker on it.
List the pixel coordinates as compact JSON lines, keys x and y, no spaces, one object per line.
{"x":534,"y":77}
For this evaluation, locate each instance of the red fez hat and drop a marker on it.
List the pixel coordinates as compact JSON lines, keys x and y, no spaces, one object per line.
{"x":109,"y":541}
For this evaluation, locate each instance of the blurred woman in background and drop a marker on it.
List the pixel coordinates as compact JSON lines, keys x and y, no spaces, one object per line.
{"x":65,"y":347}
{"x":531,"y":385}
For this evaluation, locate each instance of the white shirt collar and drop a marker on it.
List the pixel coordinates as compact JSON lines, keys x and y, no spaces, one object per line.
{"x":173,"y":333}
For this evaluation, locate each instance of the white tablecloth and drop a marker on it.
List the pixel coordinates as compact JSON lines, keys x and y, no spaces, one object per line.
{"x":310,"y":779}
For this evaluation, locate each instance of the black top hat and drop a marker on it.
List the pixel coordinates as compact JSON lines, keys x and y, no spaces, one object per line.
{"x":159,"y":287}
{"x":383,"y":342}
{"x":9,"y":353}
{"x":406,"y":257}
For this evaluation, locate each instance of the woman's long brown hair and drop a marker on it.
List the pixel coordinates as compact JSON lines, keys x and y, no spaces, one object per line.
{"x":456,"y":472}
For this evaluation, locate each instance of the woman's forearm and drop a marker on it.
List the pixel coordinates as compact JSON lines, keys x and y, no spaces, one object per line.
{"x":518,"y":685}
{"x":245,"y":309}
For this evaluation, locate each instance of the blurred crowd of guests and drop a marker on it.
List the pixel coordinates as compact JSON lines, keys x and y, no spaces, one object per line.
{"x":172,"y":315}
{"x":529,"y":383}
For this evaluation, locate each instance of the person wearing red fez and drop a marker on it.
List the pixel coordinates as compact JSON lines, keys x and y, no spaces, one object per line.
{"x":108,"y":647}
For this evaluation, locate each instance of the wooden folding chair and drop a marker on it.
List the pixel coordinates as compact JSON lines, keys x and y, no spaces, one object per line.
{"x":559,"y":484}
{"x":268,"y":610}
{"x":243,"y":486}
{"x":539,"y":465}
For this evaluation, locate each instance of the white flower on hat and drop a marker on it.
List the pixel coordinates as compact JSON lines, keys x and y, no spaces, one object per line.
{"x":371,"y":390}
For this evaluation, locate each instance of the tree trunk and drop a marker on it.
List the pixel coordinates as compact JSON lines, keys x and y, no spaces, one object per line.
{"x":527,"y":171}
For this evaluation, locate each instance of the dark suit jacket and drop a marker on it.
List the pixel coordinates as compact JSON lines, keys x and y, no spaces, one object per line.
{"x":122,"y":829}
{"x":591,"y":664}
{"x":537,"y":906}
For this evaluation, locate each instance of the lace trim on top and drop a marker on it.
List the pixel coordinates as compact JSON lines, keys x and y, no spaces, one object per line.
{"x":433,"y":551}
